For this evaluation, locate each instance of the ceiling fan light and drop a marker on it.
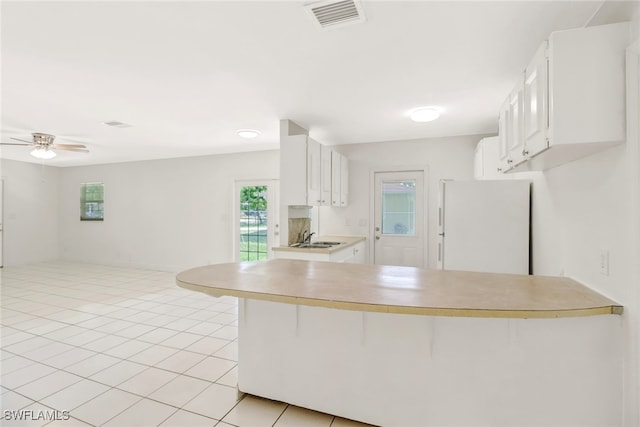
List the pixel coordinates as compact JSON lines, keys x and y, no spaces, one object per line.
{"x":43,"y":153}
{"x":248,"y":133}
{"x":424,"y":114}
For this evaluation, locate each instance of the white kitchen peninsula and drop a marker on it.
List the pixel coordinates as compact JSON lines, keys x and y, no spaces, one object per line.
{"x":408,"y":346}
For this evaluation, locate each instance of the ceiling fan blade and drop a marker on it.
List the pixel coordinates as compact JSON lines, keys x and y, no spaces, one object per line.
{"x":13,"y":143}
{"x":18,"y":139}
{"x":63,"y":146}
{"x":67,"y":148}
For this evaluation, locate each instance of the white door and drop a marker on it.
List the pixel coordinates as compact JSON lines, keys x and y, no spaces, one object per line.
{"x":399,"y":210}
{"x":257,"y":229}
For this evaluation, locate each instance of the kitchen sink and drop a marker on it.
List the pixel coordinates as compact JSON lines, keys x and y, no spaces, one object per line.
{"x":316,"y":245}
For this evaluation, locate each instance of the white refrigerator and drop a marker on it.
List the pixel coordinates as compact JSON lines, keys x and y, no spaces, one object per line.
{"x":484,"y":226}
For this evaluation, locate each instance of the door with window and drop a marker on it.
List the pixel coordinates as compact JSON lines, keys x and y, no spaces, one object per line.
{"x":256,"y":219}
{"x":399,"y":218}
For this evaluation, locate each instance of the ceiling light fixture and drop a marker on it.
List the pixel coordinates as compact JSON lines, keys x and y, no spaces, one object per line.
{"x":424,"y":114}
{"x":43,"y":153}
{"x":248,"y":133}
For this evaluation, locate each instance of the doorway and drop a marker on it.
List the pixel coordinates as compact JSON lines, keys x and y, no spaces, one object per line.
{"x":399,"y":218}
{"x":256,"y":222}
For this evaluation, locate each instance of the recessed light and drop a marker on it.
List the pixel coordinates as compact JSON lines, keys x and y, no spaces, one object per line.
{"x":424,"y":114}
{"x":248,"y":133}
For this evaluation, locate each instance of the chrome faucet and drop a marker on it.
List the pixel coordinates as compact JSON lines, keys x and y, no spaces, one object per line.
{"x":308,"y":239}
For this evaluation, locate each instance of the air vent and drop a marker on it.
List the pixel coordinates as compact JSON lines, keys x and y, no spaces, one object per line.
{"x":115,"y":124}
{"x":332,"y":14}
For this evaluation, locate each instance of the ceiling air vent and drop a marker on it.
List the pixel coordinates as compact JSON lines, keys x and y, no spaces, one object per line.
{"x":115,"y":124}
{"x":332,"y":14}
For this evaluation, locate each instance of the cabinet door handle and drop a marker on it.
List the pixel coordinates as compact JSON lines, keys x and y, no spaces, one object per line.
{"x":525,"y":152}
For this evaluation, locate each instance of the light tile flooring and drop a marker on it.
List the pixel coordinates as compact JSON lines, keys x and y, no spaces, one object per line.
{"x":124,"y":347}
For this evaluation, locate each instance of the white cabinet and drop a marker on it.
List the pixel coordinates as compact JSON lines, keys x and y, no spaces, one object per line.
{"x":312,"y":174}
{"x":339,"y":180}
{"x":302,"y":161}
{"x":344,"y":181}
{"x":358,"y":254}
{"x":325,"y":176}
{"x":486,"y":159}
{"x":570,"y":102}
{"x":353,"y":253}
{"x":503,"y":164}
{"x":515,"y":124}
{"x":536,"y":102}
{"x":293,"y":170}
{"x":336,"y":175}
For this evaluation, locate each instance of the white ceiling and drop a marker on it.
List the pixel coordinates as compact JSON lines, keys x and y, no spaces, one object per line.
{"x":187,"y":75}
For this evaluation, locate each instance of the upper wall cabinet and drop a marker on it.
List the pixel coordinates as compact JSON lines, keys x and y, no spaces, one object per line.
{"x":486,"y":164}
{"x":339,"y":180}
{"x":536,"y":102}
{"x":300,"y":171}
{"x":570,"y":101}
{"x":326,"y":157}
{"x":344,"y":181}
{"x":307,"y":173}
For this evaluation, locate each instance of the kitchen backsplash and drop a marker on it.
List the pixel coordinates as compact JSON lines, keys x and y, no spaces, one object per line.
{"x":297,"y":227}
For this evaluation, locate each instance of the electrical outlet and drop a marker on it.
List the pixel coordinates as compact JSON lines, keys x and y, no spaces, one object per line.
{"x":604,"y":262}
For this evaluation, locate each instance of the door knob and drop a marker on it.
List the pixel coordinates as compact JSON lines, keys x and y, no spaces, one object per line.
{"x":377,"y":237}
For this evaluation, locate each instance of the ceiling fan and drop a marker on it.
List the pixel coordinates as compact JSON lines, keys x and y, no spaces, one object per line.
{"x":44,"y":146}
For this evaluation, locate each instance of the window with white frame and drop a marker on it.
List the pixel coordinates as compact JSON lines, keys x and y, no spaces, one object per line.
{"x":92,"y":201}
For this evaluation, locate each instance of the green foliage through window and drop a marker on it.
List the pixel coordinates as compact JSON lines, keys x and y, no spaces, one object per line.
{"x":253,"y":223}
{"x":92,"y":201}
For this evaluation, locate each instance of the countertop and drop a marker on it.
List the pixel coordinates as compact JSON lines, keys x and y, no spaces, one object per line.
{"x":407,"y":290}
{"x":345,"y":242}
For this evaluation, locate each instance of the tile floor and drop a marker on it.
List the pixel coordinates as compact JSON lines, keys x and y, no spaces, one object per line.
{"x":124,"y":347}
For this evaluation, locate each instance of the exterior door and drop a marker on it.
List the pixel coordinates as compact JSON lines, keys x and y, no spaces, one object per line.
{"x":399,"y":235}
{"x":257,"y":229}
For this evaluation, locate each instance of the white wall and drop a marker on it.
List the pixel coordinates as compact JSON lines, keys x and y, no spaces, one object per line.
{"x":444,"y":158}
{"x":591,"y":205}
{"x":30,"y":232}
{"x":163,"y":214}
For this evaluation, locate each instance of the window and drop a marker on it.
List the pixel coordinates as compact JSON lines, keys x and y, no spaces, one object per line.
{"x":92,"y":201}
{"x":399,"y":207}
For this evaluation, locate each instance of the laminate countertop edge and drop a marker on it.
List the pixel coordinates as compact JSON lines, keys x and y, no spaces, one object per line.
{"x":603,"y":307}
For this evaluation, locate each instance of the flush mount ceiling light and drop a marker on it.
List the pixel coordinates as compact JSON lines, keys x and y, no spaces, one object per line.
{"x":424,"y":114}
{"x":43,"y":153}
{"x":248,"y":133}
